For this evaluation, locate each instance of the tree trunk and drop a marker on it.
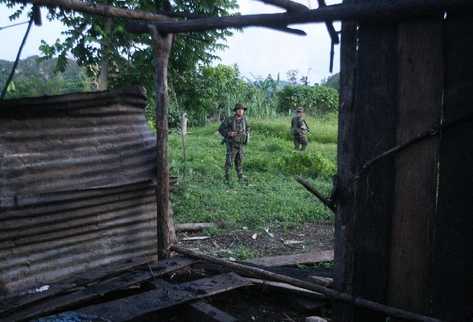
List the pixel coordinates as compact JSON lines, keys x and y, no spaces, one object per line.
{"x":166,"y":234}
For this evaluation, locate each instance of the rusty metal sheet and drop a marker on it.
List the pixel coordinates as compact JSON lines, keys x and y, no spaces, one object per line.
{"x":76,"y":185}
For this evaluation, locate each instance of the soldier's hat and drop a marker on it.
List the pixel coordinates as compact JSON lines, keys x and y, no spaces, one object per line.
{"x":239,"y":106}
{"x":299,"y":110}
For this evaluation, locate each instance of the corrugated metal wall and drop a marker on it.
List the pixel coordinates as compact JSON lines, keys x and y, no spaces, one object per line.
{"x":76,"y":185}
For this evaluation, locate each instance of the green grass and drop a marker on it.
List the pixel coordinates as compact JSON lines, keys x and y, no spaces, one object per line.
{"x":272,"y":196}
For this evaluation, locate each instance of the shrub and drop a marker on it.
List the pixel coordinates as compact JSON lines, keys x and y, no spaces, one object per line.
{"x":311,"y":164}
{"x":315,"y":99}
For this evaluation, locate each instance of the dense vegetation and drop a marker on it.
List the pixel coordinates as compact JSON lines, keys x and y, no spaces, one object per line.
{"x":36,"y":77}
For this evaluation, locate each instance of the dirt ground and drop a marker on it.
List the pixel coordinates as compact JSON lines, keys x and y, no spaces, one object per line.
{"x":245,"y":243}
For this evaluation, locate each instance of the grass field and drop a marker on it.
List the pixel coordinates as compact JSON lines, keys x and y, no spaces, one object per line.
{"x":272,"y":197}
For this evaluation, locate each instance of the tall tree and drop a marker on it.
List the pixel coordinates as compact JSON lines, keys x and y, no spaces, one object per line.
{"x":124,"y":58}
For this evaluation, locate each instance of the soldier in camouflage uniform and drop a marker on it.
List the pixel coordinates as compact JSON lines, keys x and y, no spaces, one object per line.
{"x":299,"y":129}
{"x":235,"y":135}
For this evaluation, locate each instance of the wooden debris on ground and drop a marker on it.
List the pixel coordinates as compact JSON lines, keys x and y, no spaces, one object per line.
{"x":325,"y":281}
{"x":195,"y":238}
{"x":164,"y":296}
{"x":315,"y":319}
{"x":199,"y":226}
{"x":15,"y":303}
{"x":202,"y":311}
{"x":31,"y":307}
{"x":305,"y":258}
{"x":285,"y":287}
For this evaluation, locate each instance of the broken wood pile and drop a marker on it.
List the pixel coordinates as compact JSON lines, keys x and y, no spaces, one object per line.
{"x":139,"y":289}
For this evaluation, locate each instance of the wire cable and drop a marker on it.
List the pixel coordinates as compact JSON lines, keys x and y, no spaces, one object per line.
{"x":13,"y":25}
{"x":10,"y":77}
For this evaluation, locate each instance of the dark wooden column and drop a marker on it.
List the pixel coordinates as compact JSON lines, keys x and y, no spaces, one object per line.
{"x":404,"y":228}
{"x":346,"y":168}
{"x":420,"y":102}
{"x":166,"y":234}
{"x":452,"y":262}
{"x":368,"y":121}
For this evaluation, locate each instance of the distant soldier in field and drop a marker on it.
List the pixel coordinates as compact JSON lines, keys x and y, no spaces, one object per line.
{"x":299,"y":129}
{"x":235,"y":133}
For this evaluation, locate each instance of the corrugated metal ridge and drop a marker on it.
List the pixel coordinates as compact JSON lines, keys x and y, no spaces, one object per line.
{"x":134,"y":96}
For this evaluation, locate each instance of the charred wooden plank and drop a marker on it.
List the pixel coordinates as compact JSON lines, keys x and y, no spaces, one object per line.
{"x":202,"y":311}
{"x":10,"y":304}
{"x":452,"y":238}
{"x":51,"y":304}
{"x":165,"y":296}
{"x":379,"y":11}
{"x":419,"y":109}
{"x":306,"y":258}
{"x":331,"y":293}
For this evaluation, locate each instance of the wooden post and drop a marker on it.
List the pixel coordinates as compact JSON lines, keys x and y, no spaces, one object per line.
{"x":419,"y":106}
{"x":344,"y":195}
{"x":166,"y":234}
{"x":452,"y":237}
{"x":106,"y":53}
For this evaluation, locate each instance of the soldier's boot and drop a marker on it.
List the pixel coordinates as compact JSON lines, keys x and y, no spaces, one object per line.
{"x":242,"y":179}
{"x":227,"y":177}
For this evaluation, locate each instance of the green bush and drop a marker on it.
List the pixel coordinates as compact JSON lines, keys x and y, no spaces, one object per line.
{"x":314,"y":99}
{"x":311,"y":164}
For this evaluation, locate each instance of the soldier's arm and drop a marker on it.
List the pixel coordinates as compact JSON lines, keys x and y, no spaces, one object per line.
{"x":224,"y":128}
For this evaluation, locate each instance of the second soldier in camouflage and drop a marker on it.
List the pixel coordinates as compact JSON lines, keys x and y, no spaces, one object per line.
{"x":299,"y":129}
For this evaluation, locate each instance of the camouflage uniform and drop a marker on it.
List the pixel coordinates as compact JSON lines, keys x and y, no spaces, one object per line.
{"x":235,"y":145}
{"x":299,"y":131}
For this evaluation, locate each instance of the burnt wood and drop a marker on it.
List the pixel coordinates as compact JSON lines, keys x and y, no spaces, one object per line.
{"x":330,"y":293}
{"x":202,"y":311}
{"x":375,"y":123}
{"x":419,"y":109}
{"x":165,"y":296}
{"x":452,"y":236}
{"x":331,"y":30}
{"x":57,"y":301}
{"x":346,"y":168}
{"x":379,"y":11}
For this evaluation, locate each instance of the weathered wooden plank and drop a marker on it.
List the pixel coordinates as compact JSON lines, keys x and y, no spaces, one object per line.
{"x":204,"y":312}
{"x":162,"y":45}
{"x":285,"y":287}
{"x":453,"y":238}
{"x":374,"y":123}
{"x":165,"y":296}
{"x":420,"y":99}
{"x":15,"y":303}
{"x":305,"y":258}
{"x":51,"y":303}
{"x":346,"y":168}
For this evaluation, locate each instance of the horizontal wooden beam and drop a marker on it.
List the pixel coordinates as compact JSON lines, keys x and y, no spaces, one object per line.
{"x":379,"y":11}
{"x":331,"y":293}
{"x":286,"y":4}
{"x":331,"y":30}
{"x":384,"y":10}
{"x":100,"y":9}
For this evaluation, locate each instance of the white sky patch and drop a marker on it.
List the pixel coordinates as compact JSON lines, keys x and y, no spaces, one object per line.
{"x":257,"y":51}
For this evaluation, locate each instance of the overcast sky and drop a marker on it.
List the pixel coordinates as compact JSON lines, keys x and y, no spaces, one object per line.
{"x":257,"y":51}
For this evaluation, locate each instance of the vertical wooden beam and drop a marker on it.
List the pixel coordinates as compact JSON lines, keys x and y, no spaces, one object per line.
{"x":375,"y":121}
{"x":346,"y":169}
{"x":453,"y":239}
{"x":166,"y":234}
{"x":420,"y":102}
{"x":368,"y":119}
